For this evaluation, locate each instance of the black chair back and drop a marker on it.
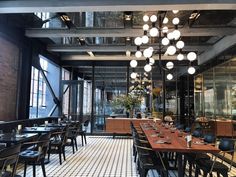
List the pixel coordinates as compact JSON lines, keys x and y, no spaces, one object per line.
{"x":226,"y":144}
{"x":197,"y":133}
{"x":209,"y":138}
{"x":9,"y":156}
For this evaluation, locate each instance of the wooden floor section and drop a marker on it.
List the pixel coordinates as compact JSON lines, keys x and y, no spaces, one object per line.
{"x":103,"y":156}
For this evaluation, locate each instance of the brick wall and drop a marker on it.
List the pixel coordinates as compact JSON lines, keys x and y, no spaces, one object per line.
{"x":9,"y":62}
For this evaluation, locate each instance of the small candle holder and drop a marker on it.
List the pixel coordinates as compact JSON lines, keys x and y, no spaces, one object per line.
{"x":46,"y":124}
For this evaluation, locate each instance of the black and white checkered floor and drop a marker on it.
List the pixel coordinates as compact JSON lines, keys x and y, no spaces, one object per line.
{"x":103,"y":156}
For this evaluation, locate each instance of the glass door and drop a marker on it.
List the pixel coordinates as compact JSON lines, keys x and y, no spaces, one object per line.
{"x":72,"y":99}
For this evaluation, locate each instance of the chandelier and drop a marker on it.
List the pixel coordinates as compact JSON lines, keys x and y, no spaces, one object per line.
{"x":168,"y":38}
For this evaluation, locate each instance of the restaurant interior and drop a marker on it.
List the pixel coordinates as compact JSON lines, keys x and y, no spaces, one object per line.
{"x":117,"y":88}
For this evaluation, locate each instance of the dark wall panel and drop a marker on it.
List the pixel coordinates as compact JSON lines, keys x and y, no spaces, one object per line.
{"x":9,"y":69}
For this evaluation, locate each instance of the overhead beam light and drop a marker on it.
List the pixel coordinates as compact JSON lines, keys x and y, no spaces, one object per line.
{"x":128,"y":16}
{"x":91,"y":54}
{"x":128,"y":53}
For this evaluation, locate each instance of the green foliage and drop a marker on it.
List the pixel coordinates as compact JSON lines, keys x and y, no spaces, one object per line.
{"x":129,"y":101}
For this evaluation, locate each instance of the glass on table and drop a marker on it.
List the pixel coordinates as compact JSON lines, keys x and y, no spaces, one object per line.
{"x":180,"y":133}
{"x":1,"y":133}
{"x":35,"y":125}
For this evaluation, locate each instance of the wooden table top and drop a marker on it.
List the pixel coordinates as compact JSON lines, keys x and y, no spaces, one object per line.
{"x":176,"y":143}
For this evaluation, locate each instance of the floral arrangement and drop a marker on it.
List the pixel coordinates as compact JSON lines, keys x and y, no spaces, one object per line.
{"x":129,"y":101}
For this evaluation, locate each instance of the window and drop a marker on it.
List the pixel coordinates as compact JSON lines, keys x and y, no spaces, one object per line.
{"x":38,"y":90}
{"x":87,"y":97}
{"x":44,"y":16}
{"x":65,"y":75}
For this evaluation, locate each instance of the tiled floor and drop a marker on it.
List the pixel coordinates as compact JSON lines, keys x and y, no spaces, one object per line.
{"x":101,"y":157}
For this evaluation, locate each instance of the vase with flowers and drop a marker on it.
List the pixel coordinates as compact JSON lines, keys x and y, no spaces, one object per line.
{"x":129,"y":102}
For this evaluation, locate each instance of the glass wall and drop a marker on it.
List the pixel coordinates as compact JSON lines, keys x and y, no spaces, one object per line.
{"x":41,"y":100}
{"x":215,"y":98}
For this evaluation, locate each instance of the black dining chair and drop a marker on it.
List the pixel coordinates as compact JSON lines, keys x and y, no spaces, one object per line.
{"x":36,"y":153}
{"x":9,"y":156}
{"x":58,"y":143}
{"x":72,"y":136}
{"x":150,"y":160}
{"x":208,"y":165}
{"x":191,"y":158}
{"x":82,"y":132}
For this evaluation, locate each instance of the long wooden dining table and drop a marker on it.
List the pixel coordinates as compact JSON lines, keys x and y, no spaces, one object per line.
{"x":165,"y":139}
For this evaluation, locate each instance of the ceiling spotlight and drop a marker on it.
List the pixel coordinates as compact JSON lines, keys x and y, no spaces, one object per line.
{"x":145,"y":18}
{"x":166,"y":20}
{"x":151,"y":61}
{"x":133,"y":75}
{"x":191,"y":70}
{"x":138,"y":41}
{"x":176,"y":34}
{"x":145,"y":39}
{"x":169,"y":65}
{"x":147,"y":68}
{"x":180,"y":44}
{"x":165,"y":41}
{"x":153,"y":32}
{"x":191,"y":56}
{"x":175,"y":21}
{"x":127,"y":38}
{"x":169,"y":76}
{"x":145,"y":27}
{"x":153,"y":18}
{"x":175,"y":11}
{"x":147,"y":53}
{"x":165,"y":29}
{"x":171,"y":50}
{"x":138,"y":54}
{"x":180,"y":57}
{"x":133,"y":63}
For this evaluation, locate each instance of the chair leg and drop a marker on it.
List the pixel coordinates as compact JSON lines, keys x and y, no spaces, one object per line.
{"x":85,"y":139}
{"x":25,"y":168}
{"x":43,"y":168}
{"x":63,"y":151}
{"x":76,"y":147}
{"x":224,"y":173}
{"x":34,"y":170}
{"x":197,"y":171}
{"x":49,"y":152}
{"x":72,"y":144}
{"x":190,"y":169}
{"x":82,"y":139}
{"x":59,"y":149}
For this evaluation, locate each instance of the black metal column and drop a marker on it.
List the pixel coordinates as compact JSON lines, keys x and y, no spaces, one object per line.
{"x":127,"y":84}
{"x":164,"y":92}
{"x":93,"y":94}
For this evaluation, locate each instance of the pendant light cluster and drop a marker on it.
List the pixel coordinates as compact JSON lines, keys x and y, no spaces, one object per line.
{"x":140,"y":83}
{"x":169,"y":38}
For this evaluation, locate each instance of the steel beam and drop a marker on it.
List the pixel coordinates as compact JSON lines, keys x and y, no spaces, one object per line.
{"x":110,"y":48}
{"x":31,"y":6}
{"x":218,"y":48}
{"x":123,"y":32}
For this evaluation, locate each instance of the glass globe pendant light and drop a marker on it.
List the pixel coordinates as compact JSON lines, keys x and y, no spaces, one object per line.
{"x":133,"y":63}
{"x":169,"y":76}
{"x":170,"y":65}
{"x":147,"y":68}
{"x":191,"y":70}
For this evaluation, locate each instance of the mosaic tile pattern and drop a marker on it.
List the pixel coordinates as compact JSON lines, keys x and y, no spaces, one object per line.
{"x":103,"y":156}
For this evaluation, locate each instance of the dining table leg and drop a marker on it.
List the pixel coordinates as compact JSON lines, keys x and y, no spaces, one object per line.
{"x":180,"y":165}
